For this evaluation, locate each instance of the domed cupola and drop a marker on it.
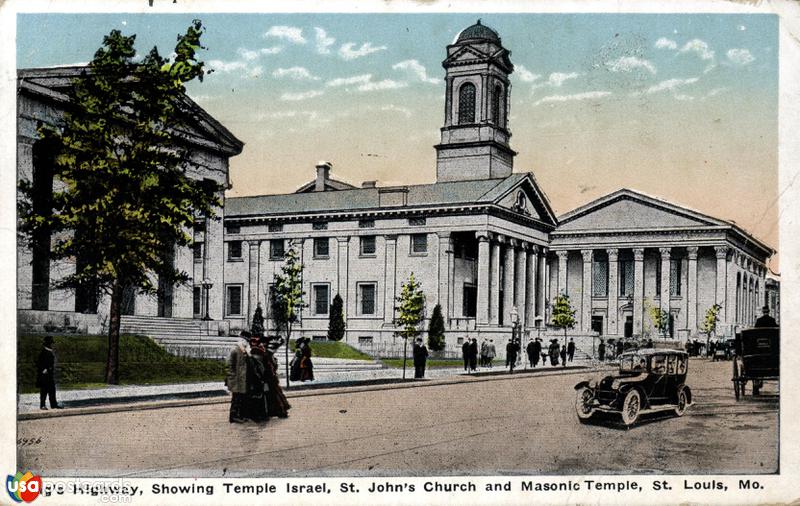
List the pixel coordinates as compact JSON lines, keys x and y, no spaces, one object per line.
{"x":475,"y":136}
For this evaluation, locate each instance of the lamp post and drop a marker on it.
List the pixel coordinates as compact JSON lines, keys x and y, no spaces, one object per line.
{"x":207,"y":285}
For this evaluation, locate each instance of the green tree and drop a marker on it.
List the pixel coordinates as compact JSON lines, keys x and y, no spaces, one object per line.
{"x":126,"y":199}
{"x":436,"y":330}
{"x":710,"y":321}
{"x":336,"y":324}
{"x":288,"y":296}
{"x":410,"y":310}
{"x":660,"y":319}
{"x":563,"y":315}
{"x":257,"y":325}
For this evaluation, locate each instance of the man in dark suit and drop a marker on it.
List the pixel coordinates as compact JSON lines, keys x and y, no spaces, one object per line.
{"x":46,"y":374}
{"x":765,"y":320}
{"x":570,"y":349}
{"x":420,"y":357}
{"x":465,"y":353}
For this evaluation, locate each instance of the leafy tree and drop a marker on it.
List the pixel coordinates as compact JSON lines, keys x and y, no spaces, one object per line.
{"x":288,"y":296}
{"x":409,"y":313}
{"x":436,"y":330}
{"x":336,"y":325}
{"x":563,"y":315}
{"x":126,"y":199}
{"x":710,"y":321}
{"x":257,"y":326}
{"x":660,"y":319}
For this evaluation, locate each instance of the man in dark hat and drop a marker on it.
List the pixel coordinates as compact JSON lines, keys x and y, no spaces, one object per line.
{"x":236,"y":379}
{"x":601,"y":350}
{"x":765,"y":320}
{"x":46,"y":374}
{"x":420,"y":357}
{"x":473,"y":355}
{"x":465,"y":354}
{"x":570,"y":349}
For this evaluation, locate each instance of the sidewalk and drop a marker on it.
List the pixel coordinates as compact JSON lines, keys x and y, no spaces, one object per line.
{"x":326,"y":382}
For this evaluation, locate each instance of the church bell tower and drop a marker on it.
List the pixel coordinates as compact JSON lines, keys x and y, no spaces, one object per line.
{"x":475,"y":136}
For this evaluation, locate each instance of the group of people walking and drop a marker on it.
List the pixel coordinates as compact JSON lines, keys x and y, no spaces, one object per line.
{"x":474,"y":355}
{"x":554,"y":352}
{"x":252,"y":380}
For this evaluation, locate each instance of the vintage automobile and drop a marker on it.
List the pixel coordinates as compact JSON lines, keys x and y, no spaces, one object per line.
{"x":649,"y":380}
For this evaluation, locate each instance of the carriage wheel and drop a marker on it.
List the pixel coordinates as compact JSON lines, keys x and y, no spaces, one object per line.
{"x":631,"y":407}
{"x":736,"y":384}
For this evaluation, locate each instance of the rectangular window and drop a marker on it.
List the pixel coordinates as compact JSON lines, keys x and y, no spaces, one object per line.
{"x":366,"y":223}
{"x":366,"y":298}
{"x":232,"y":229}
{"x":199,"y":225}
{"x":368,"y":245}
{"x":600,"y":278}
{"x":319,"y":338}
{"x":276,"y":227}
{"x":365,"y":340}
{"x":197,"y":293}
{"x":197,"y":251}
{"x":416,"y":222}
{"x":419,"y":244}
{"x":321,"y":247}
{"x":319,"y":225}
{"x":276,"y":249}
{"x":234,"y":250}
{"x":233,"y":300}
{"x":470,"y":301}
{"x":321,"y":301}
{"x":675,"y":277}
{"x":626,"y":278}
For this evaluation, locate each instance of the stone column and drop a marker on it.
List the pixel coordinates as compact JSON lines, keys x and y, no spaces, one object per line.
{"x":722,"y":255}
{"x":731,"y":289}
{"x":665,"y":289}
{"x":445,"y":250}
{"x":542,"y":286}
{"x":562,"y":273}
{"x":508,"y":282}
{"x":638,"y":290}
{"x":691,"y":291}
{"x":483,"y":278}
{"x":343,"y":263}
{"x":390,"y":279}
{"x":531,"y":287}
{"x":494,"y":273}
{"x":586,"y":292}
{"x":253,"y":288}
{"x":613,"y":290}
{"x":520,"y":297}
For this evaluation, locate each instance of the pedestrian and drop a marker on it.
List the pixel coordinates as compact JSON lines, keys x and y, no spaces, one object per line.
{"x":277,"y":404}
{"x":533,"y":356}
{"x":649,"y":342}
{"x":46,"y":375}
{"x":491,"y":352}
{"x":465,"y":354}
{"x":571,"y":349}
{"x":255,"y":406}
{"x":537,"y":351}
{"x":473,"y":355}
{"x":306,"y":366}
{"x":620,"y":347}
{"x":512,"y":349}
{"x":765,"y":320}
{"x":420,"y":357}
{"x":236,"y":379}
{"x":563,"y":354}
{"x":554,"y":349}
{"x":484,"y":351}
{"x":601,"y":351}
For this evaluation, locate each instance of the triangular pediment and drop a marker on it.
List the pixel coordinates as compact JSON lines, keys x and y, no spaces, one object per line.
{"x":626,"y":209}
{"x":521,"y":195}
{"x":465,"y":54}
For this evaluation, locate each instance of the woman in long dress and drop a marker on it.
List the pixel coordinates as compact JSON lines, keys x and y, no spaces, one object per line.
{"x":277,"y":404}
{"x":306,"y":366}
{"x":256,"y":403}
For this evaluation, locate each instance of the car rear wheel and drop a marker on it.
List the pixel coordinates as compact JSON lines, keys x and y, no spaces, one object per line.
{"x":683,"y":401}
{"x":583,"y":404}
{"x":631,"y":406}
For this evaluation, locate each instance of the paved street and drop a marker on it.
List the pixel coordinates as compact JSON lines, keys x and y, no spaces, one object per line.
{"x":512,"y":425}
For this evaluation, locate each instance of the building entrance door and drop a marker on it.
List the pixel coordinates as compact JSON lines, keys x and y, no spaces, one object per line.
{"x":629,"y":326}
{"x":597,"y":324}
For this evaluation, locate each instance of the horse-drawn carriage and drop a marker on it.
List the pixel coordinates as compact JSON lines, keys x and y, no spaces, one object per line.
{"x":757,"y":358}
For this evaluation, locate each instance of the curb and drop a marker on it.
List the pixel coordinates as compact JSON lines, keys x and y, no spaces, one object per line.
{"x":215,"y":397}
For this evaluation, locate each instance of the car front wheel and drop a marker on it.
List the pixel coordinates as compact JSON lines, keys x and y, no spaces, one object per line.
{"x":683,"y":401}
{"x":583,"y":404}
{"x":631,"y":407}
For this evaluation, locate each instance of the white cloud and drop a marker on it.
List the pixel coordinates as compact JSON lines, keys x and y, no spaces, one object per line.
{"x":629,"y":63}
{"x":665,"y":43}
{"x":682,"y":96}
{"x":247,"y":54}
{"x":294,"y":97}
{"x":588,"y":95}
{"x":716,"y":91}
{"x":255,"y":71}
{"x":291,"y":34}
{"x":700,"y":47}
{"x":526,"y":75}
{"x":310,"y":115}
{"x":741,"y":28}
{"x":670,"y":84}
{"x":556,"y":79}
{"x":345,"y":81}
{"x":222,"y":66}
{"x":271,"y":50}
{"x":348,"y":52}
{"x":323,"y":41}
{"x":415,"y":69}
{"x":296,"y":73}
{"x":402,"y":110}
{"x":386,"y":84}
{"x":740,"y":56}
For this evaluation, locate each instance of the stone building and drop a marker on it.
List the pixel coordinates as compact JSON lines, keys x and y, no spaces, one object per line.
{"x":42,"y":99}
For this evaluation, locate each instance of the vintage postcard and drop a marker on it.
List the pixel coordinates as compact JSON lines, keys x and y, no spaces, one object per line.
{"x":399,"y":252}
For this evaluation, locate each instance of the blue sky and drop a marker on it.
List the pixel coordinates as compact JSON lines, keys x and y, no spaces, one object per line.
{"x":683,"y":107}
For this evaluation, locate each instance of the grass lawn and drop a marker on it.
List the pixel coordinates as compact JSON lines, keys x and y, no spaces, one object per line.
{"x":398,"y":362}
{"x":81,"y":362}
{"x":333,"y":349}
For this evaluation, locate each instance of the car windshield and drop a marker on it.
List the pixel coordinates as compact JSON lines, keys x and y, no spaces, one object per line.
{"x":633,"y":363}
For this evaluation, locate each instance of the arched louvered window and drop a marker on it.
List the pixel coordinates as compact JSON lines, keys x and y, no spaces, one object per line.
{"x":497,"y":104}
{"x":466,"y":104}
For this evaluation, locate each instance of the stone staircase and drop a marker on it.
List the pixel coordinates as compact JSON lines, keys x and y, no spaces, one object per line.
{"x":180,"y":336}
